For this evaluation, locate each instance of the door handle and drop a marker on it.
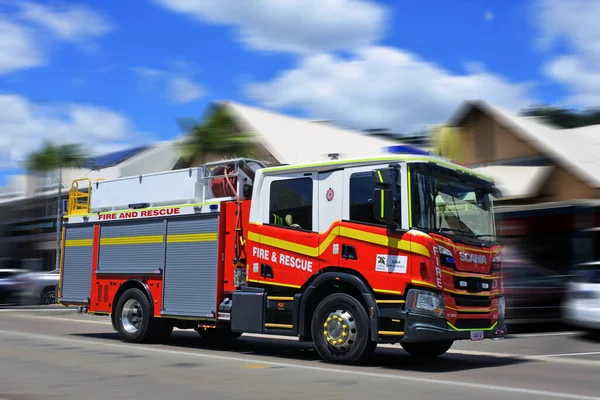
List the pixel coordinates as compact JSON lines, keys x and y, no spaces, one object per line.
{"x":266,"y":271}
{"x":349,"y":252}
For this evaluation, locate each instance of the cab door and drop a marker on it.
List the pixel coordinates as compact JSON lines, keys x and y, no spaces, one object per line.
{"x":287,"y":252}
{"x":379,"y":253}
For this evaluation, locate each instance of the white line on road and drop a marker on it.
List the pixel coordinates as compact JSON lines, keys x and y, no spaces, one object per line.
{"x":570,"y":354}
{"x":20,"y":310}
{"x":528,"y":335}
{"x":459,"y":384}
{"x":544,"y":358}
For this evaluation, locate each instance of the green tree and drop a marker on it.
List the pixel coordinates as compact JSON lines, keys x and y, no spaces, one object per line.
{"x":564,"y":118}
{"x":51,"y":158}
{"x":217,"y":135}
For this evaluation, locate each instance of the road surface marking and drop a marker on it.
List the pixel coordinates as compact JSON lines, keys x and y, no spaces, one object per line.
{"x":528,"y":335}
{"x":132,"y":347}
{"x":570,"y":354}
{"x":20,"y":310}
{"x":554,"y":358}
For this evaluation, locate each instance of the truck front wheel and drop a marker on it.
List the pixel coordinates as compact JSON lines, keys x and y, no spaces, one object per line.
{"x":340,"y":330}
{"x":134,"y":319}
{"x":427,"y":350}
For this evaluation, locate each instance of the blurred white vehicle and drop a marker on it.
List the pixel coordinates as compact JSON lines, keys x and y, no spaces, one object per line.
{"x":582,"y":301}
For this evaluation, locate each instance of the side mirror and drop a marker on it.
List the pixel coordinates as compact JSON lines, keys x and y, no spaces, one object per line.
{"x":383,"y":206}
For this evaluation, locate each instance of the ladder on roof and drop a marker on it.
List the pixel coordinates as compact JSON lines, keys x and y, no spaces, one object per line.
{"x":79,"y":199}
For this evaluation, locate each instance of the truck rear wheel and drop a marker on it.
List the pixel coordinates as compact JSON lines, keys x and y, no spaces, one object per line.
{"x":340,"y":330}
{"x":134,"y":319}
{"x":427,"y":350}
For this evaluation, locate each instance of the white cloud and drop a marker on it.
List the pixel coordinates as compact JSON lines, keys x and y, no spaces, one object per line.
{"x":184,"y":90}
{"x":17,"y":48}
{"x":178,"y":87}
{"x":291,"y":25}
{"x":572,"y":25}
{"x":488,"y":16}
{"x":382,"y":87}
{"x":73,"y":23}
{"x":24,"y":125}
{"x":28,"y":31}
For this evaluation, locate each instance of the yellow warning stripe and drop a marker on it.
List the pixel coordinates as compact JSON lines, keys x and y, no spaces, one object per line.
{"x":176,"y":238}
{"x":416,"y":282}
{"x":132,"y":240}
{"x":476,"y":310}
{"x":192,"y":237}
{"x":78,"y":242}
{"x":342,"y":231}
{"x":273,"y":283}
{"x":473,"y":329}
{"x":387,"y":291}
{"x":471,"y":275}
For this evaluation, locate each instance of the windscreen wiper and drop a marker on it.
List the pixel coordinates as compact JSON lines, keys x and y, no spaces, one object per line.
{"x":444,"y":229}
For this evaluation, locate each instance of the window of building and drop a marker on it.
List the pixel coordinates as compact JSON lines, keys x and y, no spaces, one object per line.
{"x":361,"y":197}
{"x":291,"y":203}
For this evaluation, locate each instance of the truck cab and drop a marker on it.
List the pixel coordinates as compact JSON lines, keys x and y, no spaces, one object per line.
{"x":412,"y":239}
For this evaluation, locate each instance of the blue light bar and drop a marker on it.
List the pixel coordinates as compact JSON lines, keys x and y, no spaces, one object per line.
{"x":404,"y":149}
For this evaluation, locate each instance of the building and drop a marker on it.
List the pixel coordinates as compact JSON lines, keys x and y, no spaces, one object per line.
{"x":550,"y":179}
{"x":28,"y":206}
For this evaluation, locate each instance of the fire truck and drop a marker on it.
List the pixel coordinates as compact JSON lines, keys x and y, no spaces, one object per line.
{"x":345,"y":254}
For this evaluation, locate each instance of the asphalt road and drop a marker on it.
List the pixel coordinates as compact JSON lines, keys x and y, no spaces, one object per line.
{"x":56,"y":354}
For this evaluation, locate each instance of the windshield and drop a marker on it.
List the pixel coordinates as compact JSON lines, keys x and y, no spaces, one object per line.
{"x":444,"y":203}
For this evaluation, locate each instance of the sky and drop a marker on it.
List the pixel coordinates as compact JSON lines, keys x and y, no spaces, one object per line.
{"x":114,"y":74}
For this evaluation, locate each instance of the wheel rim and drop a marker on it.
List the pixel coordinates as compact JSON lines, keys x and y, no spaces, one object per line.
{"x":339,"y":330}
{"x":132,"y":316}
{"x":50,"y":298}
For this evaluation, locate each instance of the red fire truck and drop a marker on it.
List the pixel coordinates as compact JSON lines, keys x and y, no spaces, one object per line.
{"x":344,"y":253}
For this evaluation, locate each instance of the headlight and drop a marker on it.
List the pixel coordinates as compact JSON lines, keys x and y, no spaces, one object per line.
{"x":501,"y":307}
{"x":425,"y":302}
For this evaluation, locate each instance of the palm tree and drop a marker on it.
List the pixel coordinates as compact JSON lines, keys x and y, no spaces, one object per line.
{"x":218,"y":135}
{"x":50,"y":158}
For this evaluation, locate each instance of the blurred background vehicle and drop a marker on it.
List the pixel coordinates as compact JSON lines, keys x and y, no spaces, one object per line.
{"x":40,"y":287}
{"x":582,"y":300}
{"x":533,"y":294}
{"x":12,"y":286}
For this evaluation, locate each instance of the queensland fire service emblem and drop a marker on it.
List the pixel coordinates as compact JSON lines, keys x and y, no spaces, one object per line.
{"x":329,"y":194}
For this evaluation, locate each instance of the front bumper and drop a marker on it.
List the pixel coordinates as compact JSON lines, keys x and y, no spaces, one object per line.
{"x":423,"y":328}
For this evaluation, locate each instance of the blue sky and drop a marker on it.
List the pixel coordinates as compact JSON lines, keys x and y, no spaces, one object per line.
{"x":115,"y":74}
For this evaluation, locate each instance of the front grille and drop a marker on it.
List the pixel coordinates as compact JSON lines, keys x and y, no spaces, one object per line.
{"x":471,"y":301}
{"x":472,"y":284}
{"x":473,"y":323}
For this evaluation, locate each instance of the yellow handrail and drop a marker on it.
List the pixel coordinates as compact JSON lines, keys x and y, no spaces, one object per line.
{"x":79,"y":201}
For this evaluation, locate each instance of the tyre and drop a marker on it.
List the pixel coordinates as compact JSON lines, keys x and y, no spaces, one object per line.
{"x":427,"y":350}
{"x":48,"y":297}
{"x":218,"y":335}
{"x":134,"y":319}
{"x":340,"y":330}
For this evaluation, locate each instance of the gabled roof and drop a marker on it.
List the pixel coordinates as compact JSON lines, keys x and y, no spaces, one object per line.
{"x":294,"y":140}
{"x":515,"y":181}
{"x":577,"y":149}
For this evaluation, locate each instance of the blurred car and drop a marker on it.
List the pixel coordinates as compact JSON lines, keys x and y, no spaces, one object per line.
{"x":40,"y":287}
{"x":533,"y":294}
{"x":11,"y":286}
{"x":582,"y":300}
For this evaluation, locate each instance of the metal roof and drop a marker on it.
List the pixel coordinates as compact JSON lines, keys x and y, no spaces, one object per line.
{"x":574,"y":149}
{"x":111,"y":159}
